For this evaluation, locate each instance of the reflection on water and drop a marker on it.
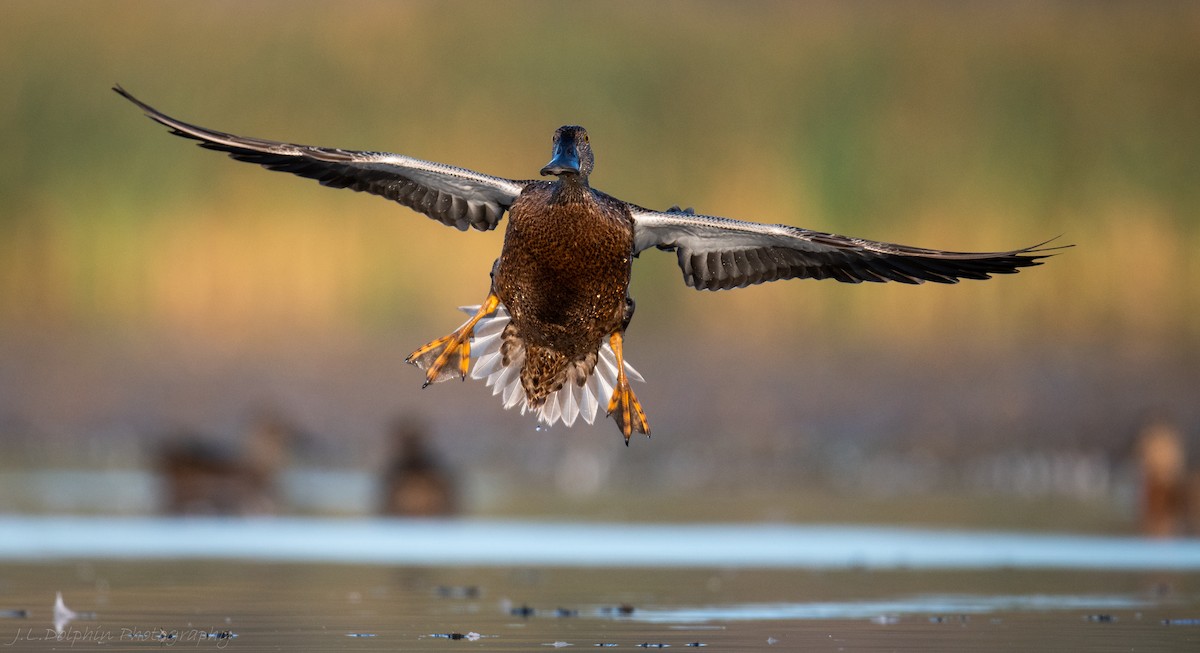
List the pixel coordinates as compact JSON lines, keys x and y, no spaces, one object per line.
{"x":254,"y":605}
{"x":291,"y":584}
{"x":881,"y":610}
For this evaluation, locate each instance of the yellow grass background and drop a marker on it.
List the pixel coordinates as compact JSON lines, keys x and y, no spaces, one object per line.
{"x":961,"y":126}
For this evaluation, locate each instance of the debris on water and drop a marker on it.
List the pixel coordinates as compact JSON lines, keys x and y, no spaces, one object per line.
{"x":1100,"y":618}
{"x":61,"y":611}
{"x":457,"y":591}
{"x":565,"y":612}
{"x":171,"y":636}
{"x":361,"y":635}
{"x":470,"y":637}
{"x":885,"y":619}
{"x":522,"y":611}
{"x":14,"y":614}
{"x":64,"y":615}
{"x":1181,"y":622}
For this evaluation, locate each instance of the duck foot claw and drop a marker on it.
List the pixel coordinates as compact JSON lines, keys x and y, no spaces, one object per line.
{"x":624,"y":407}
{"x":450,"y":356}
{"x":627,"y":411}
{"x":444,"y":358}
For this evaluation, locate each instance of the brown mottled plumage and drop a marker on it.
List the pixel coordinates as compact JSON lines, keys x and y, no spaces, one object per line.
{"x":581,"y":299}
{"x":549,"y":335}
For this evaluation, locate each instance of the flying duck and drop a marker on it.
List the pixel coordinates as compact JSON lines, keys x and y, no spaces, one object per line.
{"x":548,"y":336}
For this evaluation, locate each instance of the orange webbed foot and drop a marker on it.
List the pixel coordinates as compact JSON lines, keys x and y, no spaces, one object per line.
{"x":624,"y":407}
{"x":627,"y":411}
{"x":450,"y":356}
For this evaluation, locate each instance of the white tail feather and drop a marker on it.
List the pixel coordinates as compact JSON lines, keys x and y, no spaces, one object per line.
{"x":587,"y":404}
{"x":570,"y":409}
{"x":568,"y":403}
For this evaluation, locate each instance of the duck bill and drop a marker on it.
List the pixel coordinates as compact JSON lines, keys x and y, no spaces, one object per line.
{"x":565,"y":161}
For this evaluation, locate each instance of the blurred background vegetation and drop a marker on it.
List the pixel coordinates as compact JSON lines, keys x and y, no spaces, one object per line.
{"x":147,"y":286}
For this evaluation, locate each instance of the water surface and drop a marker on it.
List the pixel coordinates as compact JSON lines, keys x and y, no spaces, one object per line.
{"x":296,"y":584}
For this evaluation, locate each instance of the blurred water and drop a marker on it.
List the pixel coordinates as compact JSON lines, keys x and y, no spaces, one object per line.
{"x":139,"y":491}
{"x":506,"y":543}
{"x":255,"y":605}
{"x":352,"y":584}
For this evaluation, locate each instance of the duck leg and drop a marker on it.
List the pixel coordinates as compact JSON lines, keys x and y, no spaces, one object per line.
{"x":450,"y":355}
{"x":624,"y":406}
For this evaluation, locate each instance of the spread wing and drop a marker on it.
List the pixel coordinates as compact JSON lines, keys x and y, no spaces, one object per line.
{"x":718,"y":253}
{"x":453,"y":196}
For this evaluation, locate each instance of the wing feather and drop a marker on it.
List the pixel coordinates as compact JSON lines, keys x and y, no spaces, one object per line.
{"x":716,"y":253}
{"x":456,"y":197}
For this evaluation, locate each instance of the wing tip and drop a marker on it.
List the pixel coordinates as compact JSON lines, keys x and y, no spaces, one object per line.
{"x":120,"y":90}
{"x":1040,"y":250}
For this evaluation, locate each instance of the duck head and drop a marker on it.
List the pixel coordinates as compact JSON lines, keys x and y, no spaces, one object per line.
{"x":571,"y":156}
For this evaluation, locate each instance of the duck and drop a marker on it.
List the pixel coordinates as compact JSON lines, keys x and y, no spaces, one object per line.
{"x":201,"y":476}
{"x":548,"y":337}
{"x":416,"y":483}
{"x":1161,"y":456}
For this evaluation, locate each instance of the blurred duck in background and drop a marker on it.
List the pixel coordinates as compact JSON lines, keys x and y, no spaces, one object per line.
{"x":204,"y":477}
{"x":416,"y":483}
{"x":1162,"y":466}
